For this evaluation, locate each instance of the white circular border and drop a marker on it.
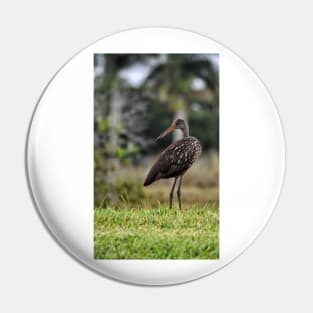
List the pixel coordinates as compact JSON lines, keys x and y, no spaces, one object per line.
{"x":64,"y":196}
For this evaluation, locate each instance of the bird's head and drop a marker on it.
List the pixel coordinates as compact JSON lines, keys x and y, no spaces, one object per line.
{"x":179,"y":123}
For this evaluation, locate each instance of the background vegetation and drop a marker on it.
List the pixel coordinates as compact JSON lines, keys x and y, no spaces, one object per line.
{"x":136,"y":97}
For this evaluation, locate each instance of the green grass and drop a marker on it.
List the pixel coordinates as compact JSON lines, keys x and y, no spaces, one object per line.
{"x":156,"y":233}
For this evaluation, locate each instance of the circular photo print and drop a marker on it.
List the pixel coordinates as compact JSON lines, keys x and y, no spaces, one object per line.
{"x":155,"y":156}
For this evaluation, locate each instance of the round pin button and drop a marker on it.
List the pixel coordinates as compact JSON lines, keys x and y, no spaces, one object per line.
{"x":155,"y":156}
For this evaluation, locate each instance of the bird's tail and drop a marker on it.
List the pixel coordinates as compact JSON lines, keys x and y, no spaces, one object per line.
{"x":151,"y":176}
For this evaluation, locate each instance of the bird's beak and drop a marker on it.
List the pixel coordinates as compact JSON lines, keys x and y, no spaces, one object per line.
{"x":169,"y":130}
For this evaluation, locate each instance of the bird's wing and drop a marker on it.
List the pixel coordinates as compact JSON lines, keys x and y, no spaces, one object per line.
{"x":160,"y":166}
{"x":171,"y":163}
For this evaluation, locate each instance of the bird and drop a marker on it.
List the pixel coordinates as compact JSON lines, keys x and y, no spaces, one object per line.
{"x":176,"y":159}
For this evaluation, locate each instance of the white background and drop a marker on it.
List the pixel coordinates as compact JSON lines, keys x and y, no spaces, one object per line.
{"x":274,"y":274}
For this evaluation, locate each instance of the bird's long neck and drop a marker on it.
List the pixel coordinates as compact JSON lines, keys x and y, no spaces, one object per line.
{"x":185,"y":131}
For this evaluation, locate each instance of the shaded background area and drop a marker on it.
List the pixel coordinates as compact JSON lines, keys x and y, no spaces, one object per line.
{"x":136,"y":97}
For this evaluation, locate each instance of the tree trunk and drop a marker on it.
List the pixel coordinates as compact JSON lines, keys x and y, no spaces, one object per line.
{"x":116,"y":104}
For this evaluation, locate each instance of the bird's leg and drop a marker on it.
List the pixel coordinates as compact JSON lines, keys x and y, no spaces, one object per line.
{"x":171,"y":194}
{"x":178,"y":191}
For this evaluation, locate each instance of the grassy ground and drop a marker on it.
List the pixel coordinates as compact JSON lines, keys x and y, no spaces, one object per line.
{"x":156,"y":233}
{"x":134,"y":222}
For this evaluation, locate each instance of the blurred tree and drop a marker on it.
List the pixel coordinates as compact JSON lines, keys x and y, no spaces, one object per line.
{"x":110,"y":96}
{"x":111,"y":93}
{"x":179,"y":79}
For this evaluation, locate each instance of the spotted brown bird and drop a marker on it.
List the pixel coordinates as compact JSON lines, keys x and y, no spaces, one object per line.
{"x":176,"y":159}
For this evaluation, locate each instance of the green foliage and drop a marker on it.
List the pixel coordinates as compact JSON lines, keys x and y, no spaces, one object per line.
{"x":205,"y":126}
{"x":129,"y":191}
{"x":117,"y":191}
{"x":150,"y":107}
{"x":103,"y":125}
{"x":101,"y":168}
{"x":156,"y":233}
{"x":125,"y":154}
